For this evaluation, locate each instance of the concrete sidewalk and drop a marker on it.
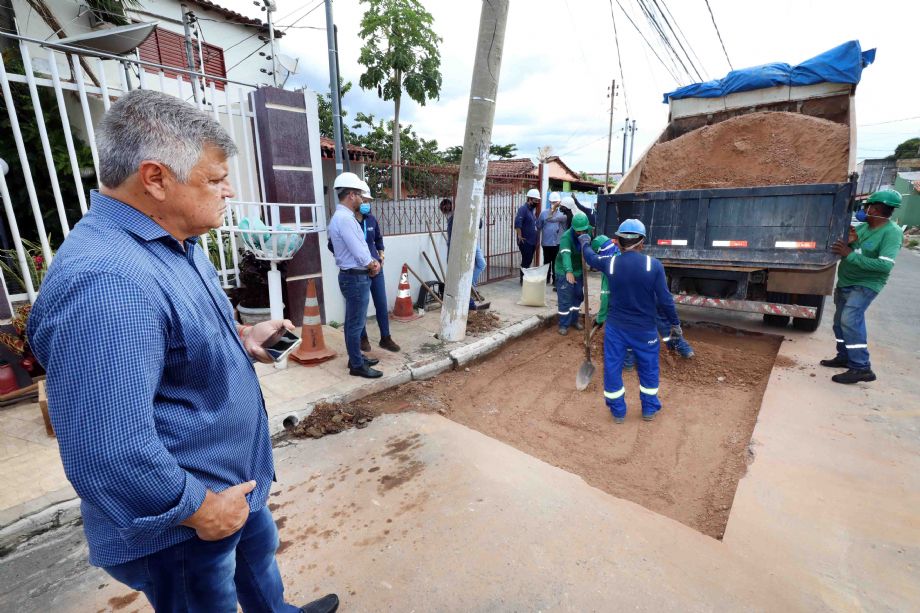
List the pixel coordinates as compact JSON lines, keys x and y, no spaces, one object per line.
{"x":37,"y":495}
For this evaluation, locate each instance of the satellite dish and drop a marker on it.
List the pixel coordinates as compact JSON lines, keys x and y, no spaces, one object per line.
{"x":288,"y":63}
{"x":120,"y":40}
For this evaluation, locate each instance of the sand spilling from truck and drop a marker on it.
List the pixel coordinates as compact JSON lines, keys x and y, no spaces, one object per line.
{"x":686,"y":464}
{"x":767,"y":148}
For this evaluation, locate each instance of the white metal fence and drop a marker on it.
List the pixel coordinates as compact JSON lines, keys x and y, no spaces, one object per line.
{"x":70,"y":115}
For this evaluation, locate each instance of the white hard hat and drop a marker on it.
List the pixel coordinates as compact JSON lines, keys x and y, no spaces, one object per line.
{"x":534,"y":193}
{"x":554,"y":197}
{"x":568,"y":202}
{"x":349,"y":180}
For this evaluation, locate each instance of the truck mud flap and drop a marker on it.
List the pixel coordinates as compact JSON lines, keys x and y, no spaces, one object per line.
{"x":748,"y":306}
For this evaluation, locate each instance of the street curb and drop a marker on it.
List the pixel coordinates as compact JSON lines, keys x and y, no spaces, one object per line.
{"x":426,"y":369}
{"x":20,"y":531}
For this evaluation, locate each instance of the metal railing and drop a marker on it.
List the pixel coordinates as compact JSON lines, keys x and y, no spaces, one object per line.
{"x":32,"y":210}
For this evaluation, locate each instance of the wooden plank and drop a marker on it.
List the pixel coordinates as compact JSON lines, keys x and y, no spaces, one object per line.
{"x":43,"y":405}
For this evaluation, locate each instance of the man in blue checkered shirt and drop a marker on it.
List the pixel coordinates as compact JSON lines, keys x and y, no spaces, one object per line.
{"x":151,"y":390}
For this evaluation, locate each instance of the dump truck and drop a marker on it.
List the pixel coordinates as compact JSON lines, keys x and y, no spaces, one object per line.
{"x":762,"y":249}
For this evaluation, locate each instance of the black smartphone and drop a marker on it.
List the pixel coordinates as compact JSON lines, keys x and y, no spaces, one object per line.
{"x":287,"y":343}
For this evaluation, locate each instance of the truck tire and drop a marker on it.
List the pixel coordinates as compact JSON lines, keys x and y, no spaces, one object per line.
{"x":776,"y":321}
{"x":809,"y":325}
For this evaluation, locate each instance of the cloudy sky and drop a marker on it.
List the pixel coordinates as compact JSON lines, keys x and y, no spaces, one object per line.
{"x":561,"y":55}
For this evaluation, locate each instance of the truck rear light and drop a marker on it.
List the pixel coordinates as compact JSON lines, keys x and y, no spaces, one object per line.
{"x":672,"y":242}
{"x":796,"y":245}
{"x":729,"y":243}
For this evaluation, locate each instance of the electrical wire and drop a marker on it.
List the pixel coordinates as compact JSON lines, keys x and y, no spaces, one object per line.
{"x":670,"y":52}
{"x":616,"y":39}
{"x":648,"y":44}
{"x":677,"y":38}
{"x":880,"y":123}
{"x":680,"y":30}
{"x":719,"y":34}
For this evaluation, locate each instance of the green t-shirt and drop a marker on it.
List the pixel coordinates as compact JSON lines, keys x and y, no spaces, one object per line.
{"x":872,"y":257}
{"x":569,"y":257}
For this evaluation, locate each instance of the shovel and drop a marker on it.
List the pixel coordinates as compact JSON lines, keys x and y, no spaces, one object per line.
{"x":583,"y":378}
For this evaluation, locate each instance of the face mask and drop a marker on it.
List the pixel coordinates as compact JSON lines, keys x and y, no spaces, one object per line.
{"x":861,"y":215}
{"x":365,"y":208}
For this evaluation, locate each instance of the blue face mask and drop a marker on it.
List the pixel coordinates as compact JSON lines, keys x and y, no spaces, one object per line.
{"x":861,"y":215}
{"x":365,"y":208}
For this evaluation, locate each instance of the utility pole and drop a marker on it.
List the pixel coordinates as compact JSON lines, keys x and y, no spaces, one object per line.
{"x":334,"y":87}
{"x":632,"y":141}
{"x":188,"y":53}
{"x":625,"y":136}
{"x":347,"y":162}
{"x":474,"y":164}
{"x":612,"y":95}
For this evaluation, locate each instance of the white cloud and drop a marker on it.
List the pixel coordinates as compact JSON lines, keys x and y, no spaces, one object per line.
{"x":559,"y":58}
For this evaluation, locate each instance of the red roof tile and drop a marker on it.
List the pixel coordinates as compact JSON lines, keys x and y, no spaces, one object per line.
{"x":234,"y":17}
{"x":355,"y":152}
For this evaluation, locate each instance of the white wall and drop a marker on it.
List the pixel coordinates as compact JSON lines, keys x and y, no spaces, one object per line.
{"x":406,"y":248}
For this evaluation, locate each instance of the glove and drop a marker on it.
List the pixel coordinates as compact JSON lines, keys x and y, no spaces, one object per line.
{"x":676,"y":332}
{"x":584,"y":239}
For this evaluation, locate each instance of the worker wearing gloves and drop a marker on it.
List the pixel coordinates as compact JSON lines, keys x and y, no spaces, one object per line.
{"x":569,"y":287}
{"x":637,"y":288}
{"x":867,"y":259}
{"x":525,"y":229}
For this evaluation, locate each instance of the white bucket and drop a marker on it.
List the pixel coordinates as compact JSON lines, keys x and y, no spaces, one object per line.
{"x":533,"y":290}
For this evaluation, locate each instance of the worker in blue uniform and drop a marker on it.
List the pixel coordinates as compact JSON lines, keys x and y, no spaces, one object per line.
{"x":637,"y":289}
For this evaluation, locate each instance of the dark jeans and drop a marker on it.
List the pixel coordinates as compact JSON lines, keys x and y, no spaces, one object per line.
{"x":357,"y":292}
{"x":549,"y":257}
{"x":212,"y":576}
{"x":527,"y":251}
{"x":569,"y":297}
{"x":850,"y":304}
{"x":379,"y":296}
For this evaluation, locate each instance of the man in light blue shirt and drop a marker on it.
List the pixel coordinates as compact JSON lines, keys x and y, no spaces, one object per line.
{"x":356,"y":267}
{"x":551,"y":225}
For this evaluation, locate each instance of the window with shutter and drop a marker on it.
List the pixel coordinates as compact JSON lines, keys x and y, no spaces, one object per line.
{"x":168,"y":48}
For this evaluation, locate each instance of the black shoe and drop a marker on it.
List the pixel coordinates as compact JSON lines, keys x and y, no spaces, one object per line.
{"x":365,"y":371}
{"x":854,"y":376}
{"x":387,"y":343}
{"x":837,"y":362}
{"x":327,"y":604}
{"x":365,"y":344}
{"x":370,"y":361}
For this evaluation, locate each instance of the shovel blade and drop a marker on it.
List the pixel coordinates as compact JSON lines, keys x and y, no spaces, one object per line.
{"x":584,"y":375}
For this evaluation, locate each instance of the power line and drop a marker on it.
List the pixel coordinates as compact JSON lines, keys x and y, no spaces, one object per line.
{"x":666,"y":42}
{"x":652,"y":49}
{"x":686,"y":40}
{"x":619,"y":59}
{"x":866,"y":125}
{"x":677,"y":38}
{"x":719,"y":34}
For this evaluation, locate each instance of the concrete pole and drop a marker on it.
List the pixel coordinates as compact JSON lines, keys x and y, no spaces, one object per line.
{"x":625,"y":138}
{"x":269,"y":9}
{"x":613,"y":93}
{"x":632,"y":141}
{"x":473,"y":168}
{"x":188,"y":54}
{"x":334,"y":89}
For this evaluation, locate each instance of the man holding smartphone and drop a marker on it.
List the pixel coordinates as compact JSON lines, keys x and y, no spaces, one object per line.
{"x":356,"y":267}
{"x":151,"y":389}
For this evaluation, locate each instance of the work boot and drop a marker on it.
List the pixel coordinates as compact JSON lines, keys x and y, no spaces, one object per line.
{"x":563,"y":331}
{"x":387,"y":343}
{"x":618,"y":420}
{"x":837,"y":362}
{"x":365,"y":371}
{"x":327,"y":604}
{"x":649,"y":417}
{"x":854,"y":376}
{"x":686,"y":353}
{"x":365,"y":344}
{"x":579,"y":325}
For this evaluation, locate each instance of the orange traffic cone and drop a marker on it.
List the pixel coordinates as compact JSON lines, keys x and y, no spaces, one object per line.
{"x":312,"y":350}
{"x":403,"y":309}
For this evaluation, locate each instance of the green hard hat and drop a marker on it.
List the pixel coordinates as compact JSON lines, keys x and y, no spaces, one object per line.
{"x":580,"y":222}
{"x":598,"y":242}
{"x":886,"y":196}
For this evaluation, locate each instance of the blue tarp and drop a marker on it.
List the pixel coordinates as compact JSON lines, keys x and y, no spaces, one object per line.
{"x":842,"y":64}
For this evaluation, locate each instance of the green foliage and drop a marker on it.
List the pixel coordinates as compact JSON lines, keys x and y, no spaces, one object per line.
{"x":503,"y":152}
{"x":452,"y":155}
{"x":113,"y":11}
{"x":35,"y":262}
{"x":324,"y":102}
{"x":15,"y":179}
{"x":400,"y":50}
{"x":908,"y":149}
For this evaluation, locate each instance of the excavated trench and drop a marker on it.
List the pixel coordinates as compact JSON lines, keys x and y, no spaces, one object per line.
{"x":686,"y":464}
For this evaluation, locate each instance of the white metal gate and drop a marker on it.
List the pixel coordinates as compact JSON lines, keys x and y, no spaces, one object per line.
{"x":71,"y":114}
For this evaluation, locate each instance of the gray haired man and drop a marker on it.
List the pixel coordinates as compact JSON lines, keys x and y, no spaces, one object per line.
{"x":151,"y":389}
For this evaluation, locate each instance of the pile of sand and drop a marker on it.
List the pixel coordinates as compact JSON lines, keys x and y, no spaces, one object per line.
{"x":767,"y":148}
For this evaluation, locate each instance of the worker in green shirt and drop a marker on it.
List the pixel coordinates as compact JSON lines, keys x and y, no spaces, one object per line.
{"x":867,"y":258}
{"x":569,"y":288}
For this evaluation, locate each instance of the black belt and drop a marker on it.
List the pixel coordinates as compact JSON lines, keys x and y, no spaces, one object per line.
{"x":354,"y":271}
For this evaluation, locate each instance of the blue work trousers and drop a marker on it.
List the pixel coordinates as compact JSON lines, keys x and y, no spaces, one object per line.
{"x":680,"y":345}
{"x":850,"y":304}
{"x":357,"y":292}
{"x":570,"y":297}
{"x":213,"y":576}
{"x":379,"y":296}
{"x":644,"y":346}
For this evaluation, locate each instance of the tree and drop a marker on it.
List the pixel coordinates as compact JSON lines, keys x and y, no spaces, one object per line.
{"x":908,"y":149}
{"x":503,"y":152}
{"x":324,"y":103}
{"x":400,"y":52}
{"x":452,"y":155}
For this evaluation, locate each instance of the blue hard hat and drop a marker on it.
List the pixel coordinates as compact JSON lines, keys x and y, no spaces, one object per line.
{"x":631,"y":228}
